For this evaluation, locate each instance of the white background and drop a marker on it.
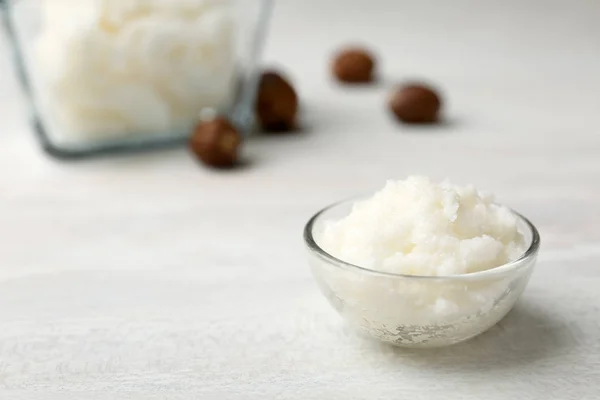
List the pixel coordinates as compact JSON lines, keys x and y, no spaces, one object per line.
{"x":150,"y":277}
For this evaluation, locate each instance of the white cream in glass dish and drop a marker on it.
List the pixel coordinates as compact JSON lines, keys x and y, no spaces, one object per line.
{"x":420,"y":264}
{"x":114,"y":75}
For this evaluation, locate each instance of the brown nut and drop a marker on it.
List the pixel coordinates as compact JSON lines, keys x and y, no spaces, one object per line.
{"x":277,"y":103}
{"x":353,"y":65}
{"x":415,"y":103}
{"x":216,"y":143}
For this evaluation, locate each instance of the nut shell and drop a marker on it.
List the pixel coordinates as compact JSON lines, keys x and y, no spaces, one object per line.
{"x":277,"y":103}
{"x":415,"y":104}
{"x":353,"y":65}
{"x":216,"y":143}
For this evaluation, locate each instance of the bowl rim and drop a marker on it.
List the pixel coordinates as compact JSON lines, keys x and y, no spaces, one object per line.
{"x":513,"y":265}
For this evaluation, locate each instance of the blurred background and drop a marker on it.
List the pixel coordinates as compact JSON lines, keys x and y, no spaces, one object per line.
{"x":520,"y":91}
{"x":155,"y":241}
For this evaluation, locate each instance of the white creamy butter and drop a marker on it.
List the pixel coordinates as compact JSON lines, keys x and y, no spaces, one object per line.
{"x":427,"y":236}
{"x":110,"y":68}
{"x":417,"y":227}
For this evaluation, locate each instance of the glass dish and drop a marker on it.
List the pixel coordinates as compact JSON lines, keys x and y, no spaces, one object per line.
{"x":114,"y":75}
{"x":417,"y":311}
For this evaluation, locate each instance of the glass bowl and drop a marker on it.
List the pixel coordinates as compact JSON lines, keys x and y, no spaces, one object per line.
{"x":104,"y":76}
{"x":417,"y":311}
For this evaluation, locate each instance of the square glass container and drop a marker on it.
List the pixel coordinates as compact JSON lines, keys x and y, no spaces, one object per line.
{"x":122,"y":75}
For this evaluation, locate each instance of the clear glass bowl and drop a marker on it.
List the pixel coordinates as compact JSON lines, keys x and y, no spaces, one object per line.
{"x":417,"y":311}
{"x":112,"y":75}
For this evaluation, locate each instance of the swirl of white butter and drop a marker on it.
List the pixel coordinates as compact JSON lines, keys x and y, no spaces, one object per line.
{"x":130,"y":67}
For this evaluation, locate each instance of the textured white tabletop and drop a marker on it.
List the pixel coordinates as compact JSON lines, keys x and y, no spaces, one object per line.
{"x":149,"y":277}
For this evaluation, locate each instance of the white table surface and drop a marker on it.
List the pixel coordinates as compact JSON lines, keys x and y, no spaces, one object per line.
{"x":149,"y":277}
